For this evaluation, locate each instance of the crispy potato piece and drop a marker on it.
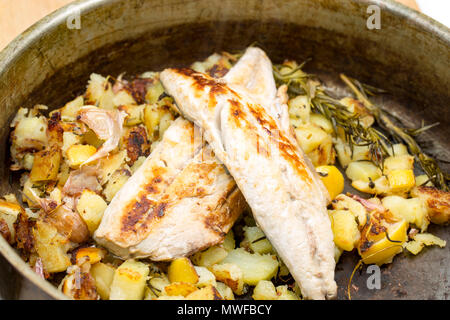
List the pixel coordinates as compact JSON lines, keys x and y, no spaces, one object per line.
{"x":91,"y":254}
{"x":206,"y":293}
{"x":111,"y":164}
{"x":46,"y":165}
{"x":436,"y":201}
{"x":91,"y":206}
{"x":363,"y":171}
{"x":180,"y":289}
{"x":255,"y":267}
{"x":264,"y":290}
{"x":51,"y":247}
{"x":225,"y":291}
{"x":412,"y":210}
{"x":231,"y":275}
{"x":345,"y":229}
{"x":103,"y":275}
{"x":182,"y":270}
{"x":332,"y":178}
{"x":343,"y":202}
{"x":129,"y":281}
{"x":79,"y":153}
{"x":209,"y":257}
{"x":115,"y":183}
{"x":205,"y":277}
{"x":401,"y":180}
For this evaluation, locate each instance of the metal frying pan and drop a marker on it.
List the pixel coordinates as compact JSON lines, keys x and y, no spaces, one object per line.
{"x":409,"y":56}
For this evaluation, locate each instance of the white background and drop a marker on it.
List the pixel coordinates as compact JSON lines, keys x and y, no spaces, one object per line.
{"x":436,"y":9}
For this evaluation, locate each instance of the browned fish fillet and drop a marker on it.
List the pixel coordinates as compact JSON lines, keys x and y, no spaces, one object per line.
{"x":179,"y":201}
{"x":250,"y":136}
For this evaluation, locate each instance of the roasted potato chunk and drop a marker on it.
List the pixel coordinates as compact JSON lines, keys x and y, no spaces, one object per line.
{"x":182,"y":270}
{"x":129,"y":281}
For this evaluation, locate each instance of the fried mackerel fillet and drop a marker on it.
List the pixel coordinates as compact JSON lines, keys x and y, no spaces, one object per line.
{"x":247,"y":131}
{"x":179,"y":201}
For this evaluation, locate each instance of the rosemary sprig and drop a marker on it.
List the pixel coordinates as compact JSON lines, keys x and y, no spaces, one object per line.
{"x":429,"y":165}
{"x":301,"y":83}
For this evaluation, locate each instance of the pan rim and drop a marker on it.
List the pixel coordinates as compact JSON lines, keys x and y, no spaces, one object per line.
{"x":31,"y":36}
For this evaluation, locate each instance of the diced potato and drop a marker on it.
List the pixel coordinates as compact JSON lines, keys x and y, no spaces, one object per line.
{"x":256,"y":241}
{"x":103,"y":275}
{"x":229,"y":243}
{"x":345,"y":229}
{"x":316,"y":143}
{"x":284,"y":293}
{"x":31,"y":133}
{"x":154,"y":91}
{"x":332,"y":178}
{"x":165,"y":122}
{"x":123,"y":98}
{"x":91,"y":254}
{"x":437,"y":202}
{"x":401,"y":180}
{"x":398,"y":162}
{"x":231,"y":275}
{"x":206,"y":293}
{"x":115,"y":183}
{"x":69,"y":139}
{"x":412,"y":210}
{"x":180,"y":289}
{"x":157,"y":119}
{"x":135,"y":114}
{"x":345,"y":155}
{"x":79,"y":153}
{"x":380,"y":186}
{"x":299,"y":109}
{"x":205,"y":277}
{"x":362,"y":171}
{"x":91,"y":206}
{"x":264,"y":290}
{"x":182,"y":270}
{"x":70,"y":111}
{"x":111,"y":164}
{"x":51,"y":247}
{"x":398,"y":149}
{"x":343,"y":202}
{"x":423,"y":239}
{"x":322,"y":122}
{"x":255,"y":267}
{"x":99,"y":92}
{"x":46,"y":165}
{"x":209,"y":257}
{"x":225,"y":291}
{"x":376,"y":248}
{"x":129,"y":281}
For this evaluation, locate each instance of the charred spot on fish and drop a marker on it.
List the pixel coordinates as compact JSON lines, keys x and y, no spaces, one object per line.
{"x":135,"y":212}
{"x":160,"y":209}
